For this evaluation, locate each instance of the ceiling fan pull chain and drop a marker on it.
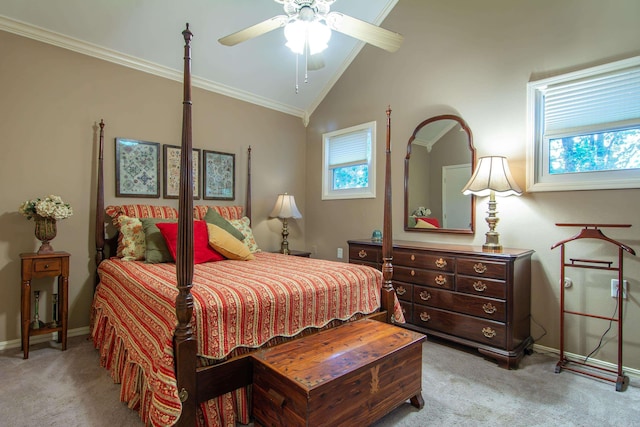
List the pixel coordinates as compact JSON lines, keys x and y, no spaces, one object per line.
{"x":296,"y":74}
{"x":306,"y":62}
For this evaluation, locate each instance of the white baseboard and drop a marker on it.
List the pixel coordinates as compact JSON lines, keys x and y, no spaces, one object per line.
{"x":5,"y":345}
{"x":631,"y":372}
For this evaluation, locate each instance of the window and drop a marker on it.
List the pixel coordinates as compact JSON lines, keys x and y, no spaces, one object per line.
{"x":584,"y":129}
{"x":348,"y":168}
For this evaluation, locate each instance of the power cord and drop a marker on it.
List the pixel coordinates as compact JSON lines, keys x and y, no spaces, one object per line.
{"x":541,"y":327}
{"x":605,"y":332}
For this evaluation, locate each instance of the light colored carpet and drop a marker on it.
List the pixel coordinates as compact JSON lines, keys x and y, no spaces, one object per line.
{"x":460,"y":388}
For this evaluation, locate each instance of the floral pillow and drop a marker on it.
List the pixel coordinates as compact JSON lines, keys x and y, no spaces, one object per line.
{"x":244,"y":226}
{"x":131,"y":239}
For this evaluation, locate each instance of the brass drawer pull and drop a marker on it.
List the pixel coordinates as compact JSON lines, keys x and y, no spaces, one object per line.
{"x":46,"y":266}
{"x":404,"y":310}
{"x":479,"y":268}
{"x":440,"y":280}
{"x":401,"y":290}
{"x":425,"y":296}
{"x":488,"y":332}
{"x":362,"y":253}
{"x":479,"y":286}
{"x":413,"y":257}
{"x":413,"y":273}
{"x":489,"y":308}
{"x":425,"y":316}
{"x":440,"y":263}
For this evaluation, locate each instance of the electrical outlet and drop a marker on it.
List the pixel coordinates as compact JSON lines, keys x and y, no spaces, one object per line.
{"x":614,"y":288}
{"x":339,"y":255}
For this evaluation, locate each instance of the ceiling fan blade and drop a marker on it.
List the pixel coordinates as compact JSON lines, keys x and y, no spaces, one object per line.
{"x":254,"y":31}
{"x":361,"y":30}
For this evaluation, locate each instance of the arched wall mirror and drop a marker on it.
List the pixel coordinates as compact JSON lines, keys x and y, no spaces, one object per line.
{"x":439,"y":162}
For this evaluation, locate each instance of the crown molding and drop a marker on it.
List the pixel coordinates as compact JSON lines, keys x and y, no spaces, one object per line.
{"x":60,"y":40}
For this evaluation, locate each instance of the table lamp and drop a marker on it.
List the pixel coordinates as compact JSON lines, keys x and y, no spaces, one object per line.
{"x":285,"y":208}
{"x":492,"y":177}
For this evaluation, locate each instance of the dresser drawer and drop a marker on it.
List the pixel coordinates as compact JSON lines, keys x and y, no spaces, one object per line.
{"x":461,"y":325}
{"x":467,"y":304}
{"x":404,"y":291}
{"x":482,"y":268}
{"x":407,"y":310}
{"x":481,"y":287}
{"x":418,"y":259}
{"x":424,"y":277}
{"x":369,"y":254}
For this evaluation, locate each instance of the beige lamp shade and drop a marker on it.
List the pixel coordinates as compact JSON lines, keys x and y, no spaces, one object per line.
{"x":492,"y":174}
{"x":285,"y":207}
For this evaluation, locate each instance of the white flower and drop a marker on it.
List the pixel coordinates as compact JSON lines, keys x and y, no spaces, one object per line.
{"x":51,"y":206}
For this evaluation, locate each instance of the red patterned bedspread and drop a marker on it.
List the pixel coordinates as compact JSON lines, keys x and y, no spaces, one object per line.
{"x":236,"y":304}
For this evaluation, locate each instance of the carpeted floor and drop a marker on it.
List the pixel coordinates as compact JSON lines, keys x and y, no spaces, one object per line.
{"x":460,"y":388}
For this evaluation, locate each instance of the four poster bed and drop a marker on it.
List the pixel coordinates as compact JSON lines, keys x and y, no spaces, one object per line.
{"x":198,"y":370}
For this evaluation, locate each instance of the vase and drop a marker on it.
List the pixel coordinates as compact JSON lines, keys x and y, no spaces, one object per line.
{"x":46,"y":230}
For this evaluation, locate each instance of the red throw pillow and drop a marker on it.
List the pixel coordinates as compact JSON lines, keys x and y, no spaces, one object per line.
{"x":202,"y":252}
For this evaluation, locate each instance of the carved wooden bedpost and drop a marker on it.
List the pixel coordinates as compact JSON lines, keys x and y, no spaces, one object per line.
{"x":387,"y":234}
{"x":185,"y":344}
{"x":248,"y":201}
{"x":100,"y":203}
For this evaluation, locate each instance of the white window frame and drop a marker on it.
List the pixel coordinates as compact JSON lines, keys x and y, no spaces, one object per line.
{"x":328,"y":193}
{"x":538,"y":178}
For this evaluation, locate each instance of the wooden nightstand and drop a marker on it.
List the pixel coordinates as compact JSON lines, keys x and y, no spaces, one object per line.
{"x":37,"y":266}
{"x":297,"y":253}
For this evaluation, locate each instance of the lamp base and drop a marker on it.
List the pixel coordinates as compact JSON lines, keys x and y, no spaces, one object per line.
{"x":492,"y":242}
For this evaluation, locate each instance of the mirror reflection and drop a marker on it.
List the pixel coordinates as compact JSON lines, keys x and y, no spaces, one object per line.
{"x":439,"y":162}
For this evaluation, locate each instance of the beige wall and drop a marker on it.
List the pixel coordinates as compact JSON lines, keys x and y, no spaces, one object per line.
{"x":50,"y":104}
{"x":474,"y":58}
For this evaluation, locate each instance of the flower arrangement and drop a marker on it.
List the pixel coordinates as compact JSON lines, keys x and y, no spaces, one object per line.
{"x":47,"y":207}
{"x":421,"y":211}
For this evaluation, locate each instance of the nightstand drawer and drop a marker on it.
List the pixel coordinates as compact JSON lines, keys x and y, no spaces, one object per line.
{"x":423,"y":277}
{"x":482,"y":268}
{"x":51,"y":265}
{"x":418,"y":259}
{"x":461,"y":325}
{"x":467,"y":304}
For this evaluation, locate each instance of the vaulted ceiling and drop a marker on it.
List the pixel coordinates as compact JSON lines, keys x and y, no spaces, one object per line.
{"x":146,"y":35}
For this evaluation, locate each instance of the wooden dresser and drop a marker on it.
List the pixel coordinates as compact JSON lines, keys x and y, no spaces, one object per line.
{"x":460,"y":293}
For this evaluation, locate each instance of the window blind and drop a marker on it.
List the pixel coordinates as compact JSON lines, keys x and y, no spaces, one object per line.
{"x":606,"y":100}
{"x":349,"y":149}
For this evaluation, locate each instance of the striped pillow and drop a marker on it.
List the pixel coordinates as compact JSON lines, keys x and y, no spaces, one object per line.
{"x":141,"y":211}
{"x":227,"y":212}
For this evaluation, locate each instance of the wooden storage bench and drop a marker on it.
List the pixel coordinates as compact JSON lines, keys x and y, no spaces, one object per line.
{"x":350,"y":375}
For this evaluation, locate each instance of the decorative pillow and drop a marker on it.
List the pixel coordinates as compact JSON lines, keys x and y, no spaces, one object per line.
{"x":227,"y":212}
{"x":213,"y":217}
{"x":202,"y":252}
{"x":140,"y":211}
{"x":156,"y":249}
{"x":228,"y":245}
{"x":422,"y":223}
{"x":131,"y":239}
{"x":244,"y":226}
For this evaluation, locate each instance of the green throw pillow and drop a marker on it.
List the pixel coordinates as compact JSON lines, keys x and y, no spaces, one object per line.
{"x":213,"y":217}
{"x":157,"y":250}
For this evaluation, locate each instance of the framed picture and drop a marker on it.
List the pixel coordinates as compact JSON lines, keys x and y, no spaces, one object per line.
{"x":219,"y":175}
{"x":137,"y":168}
{"x":172,"y":172}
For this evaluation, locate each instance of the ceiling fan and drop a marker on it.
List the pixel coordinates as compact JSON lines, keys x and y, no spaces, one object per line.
{"x":308,"y":25}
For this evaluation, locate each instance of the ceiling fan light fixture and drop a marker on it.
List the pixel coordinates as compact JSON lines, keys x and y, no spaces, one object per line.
{"x":301,"y":33}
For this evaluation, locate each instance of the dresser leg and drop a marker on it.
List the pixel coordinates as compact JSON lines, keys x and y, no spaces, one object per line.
{"x":417,"y":401}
